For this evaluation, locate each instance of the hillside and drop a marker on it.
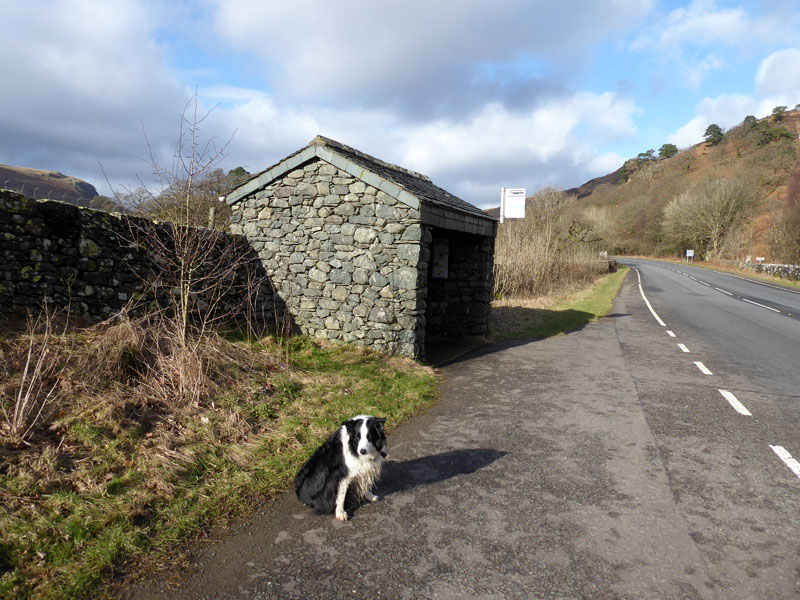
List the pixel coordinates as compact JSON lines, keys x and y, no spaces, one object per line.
{"x":39,"y":184}
{"x":762,"y":156}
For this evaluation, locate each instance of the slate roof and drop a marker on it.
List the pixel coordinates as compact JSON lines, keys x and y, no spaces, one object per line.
{"x":405,"y":185}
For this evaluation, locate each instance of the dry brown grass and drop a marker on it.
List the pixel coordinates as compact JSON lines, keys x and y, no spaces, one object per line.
{"x":145,"y":444}
{"x":549,"y":250}
{"x":636,"y":207}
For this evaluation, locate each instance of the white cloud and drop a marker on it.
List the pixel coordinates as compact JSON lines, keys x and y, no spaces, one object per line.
{"x":701,"y":23}
{"x":689,"y":38}
{"x":534,"y":149}
{"x":779,"y":76}
{"x":726,"y":111}
{"x":554,"y":144}
{"x":777,"y":83}
{"x":496,"y":134}
{"x":416,"y":56}
{"x":80,"y":78}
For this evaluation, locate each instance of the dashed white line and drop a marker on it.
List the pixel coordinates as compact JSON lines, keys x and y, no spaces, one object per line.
{"x":761,"y":305}
{"x":787,"y":459}
{"x":684,"y":348}
{"x":703,"y":369}
{"x":737,"y":406}
{"x":670,"y":334}
{"x":723,"y":291}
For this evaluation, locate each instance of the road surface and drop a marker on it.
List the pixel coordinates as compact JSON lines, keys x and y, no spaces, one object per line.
{"x":600,"y":464}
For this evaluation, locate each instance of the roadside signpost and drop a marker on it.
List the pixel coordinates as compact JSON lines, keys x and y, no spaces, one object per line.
{"x":512,"y":203}
{"x":690,"y":255}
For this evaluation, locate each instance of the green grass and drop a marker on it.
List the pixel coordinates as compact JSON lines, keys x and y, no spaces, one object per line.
{"x":116,"y":497}
{"x":518,"y":319}
{"x":117,"y":482}
{"x":742,"y":272}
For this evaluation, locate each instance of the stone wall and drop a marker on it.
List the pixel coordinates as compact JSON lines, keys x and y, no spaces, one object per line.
{"x":345,"y":257}
{"x":790,"y":272}
{"x":97,"y":263}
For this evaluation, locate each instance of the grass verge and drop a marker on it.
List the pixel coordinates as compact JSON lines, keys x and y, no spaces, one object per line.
{"x":123,"y":466}
{"x":723,"y":268}
{"x":542,"y":317}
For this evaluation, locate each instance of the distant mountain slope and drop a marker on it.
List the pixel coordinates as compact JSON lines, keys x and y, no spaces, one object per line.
{"x":764,"y":153}
{"x":39,"y":184}
{"x":590,"y":186}
{"x":626,"y":207}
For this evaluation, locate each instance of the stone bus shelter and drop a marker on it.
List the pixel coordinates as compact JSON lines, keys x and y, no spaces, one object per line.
{"x":366,"y":252}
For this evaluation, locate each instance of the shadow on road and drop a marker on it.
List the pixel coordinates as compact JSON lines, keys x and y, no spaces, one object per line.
{"x":510,"y":326}
{"x":409,"y":474}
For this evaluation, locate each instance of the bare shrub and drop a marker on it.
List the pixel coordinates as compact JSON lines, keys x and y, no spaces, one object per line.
{"x":199,"y":277}
{"x":37,"y":386}
{"x":548,"y":249}
{"x":783,"y":233}
{"x":703,"y":216}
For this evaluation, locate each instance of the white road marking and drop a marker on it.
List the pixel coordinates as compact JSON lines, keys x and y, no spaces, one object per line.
{"x":787,"y":459}
{"x":723,"y":291}
{"x":670,"y":334}
{"x":703,"y":369}
{"x":704,"y":283}
{"x":684,"y":348}
{"x":737,"y":406}
{"x":647,"y":302}
{"x":761,"y":305}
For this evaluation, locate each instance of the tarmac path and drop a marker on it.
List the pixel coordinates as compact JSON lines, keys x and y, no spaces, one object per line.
{"x":572,"y":467}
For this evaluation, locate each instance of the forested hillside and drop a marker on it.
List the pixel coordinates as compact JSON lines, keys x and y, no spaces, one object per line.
{"x":736,"y":194}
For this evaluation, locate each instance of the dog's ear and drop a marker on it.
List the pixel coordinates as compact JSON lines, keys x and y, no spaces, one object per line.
{"x":380,"y":422}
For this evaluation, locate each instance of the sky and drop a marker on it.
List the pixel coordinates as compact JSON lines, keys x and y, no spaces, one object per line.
{"x":476,"y":94}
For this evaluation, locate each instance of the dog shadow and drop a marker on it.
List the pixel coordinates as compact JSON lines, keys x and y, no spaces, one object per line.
{"x":401,"y":476}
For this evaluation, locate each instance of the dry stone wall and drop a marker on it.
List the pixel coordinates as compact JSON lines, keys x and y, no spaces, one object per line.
{"x":348,"y":260}
{"x":97,"y":263}
{"x":790,"y":272}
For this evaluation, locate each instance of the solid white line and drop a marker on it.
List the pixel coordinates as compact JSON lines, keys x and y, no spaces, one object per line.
{"x":787,"y":458}
{"x":670,"y":334}
{"x":723,"y":291}
{"x":737,"y":406}
{"x":684,"y":348}
{"x":647,"y":302}
{"x":761,"y":305}
{"x":703,"y":369}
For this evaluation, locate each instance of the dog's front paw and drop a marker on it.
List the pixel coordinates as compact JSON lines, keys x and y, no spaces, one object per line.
{"x":374,"y":498}
{"x":341,"y":515}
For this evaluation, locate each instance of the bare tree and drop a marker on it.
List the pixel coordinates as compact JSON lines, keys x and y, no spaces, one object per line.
{"x":199,"y":276}
{"x":783,"y":233}
{"x":702,"y":217}
{"x":552,"y":246}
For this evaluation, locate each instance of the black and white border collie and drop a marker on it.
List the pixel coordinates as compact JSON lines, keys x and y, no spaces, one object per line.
{"x":350,"y":458}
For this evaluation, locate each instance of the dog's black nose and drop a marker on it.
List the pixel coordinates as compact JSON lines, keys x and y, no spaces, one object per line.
{"x":362,"y":450}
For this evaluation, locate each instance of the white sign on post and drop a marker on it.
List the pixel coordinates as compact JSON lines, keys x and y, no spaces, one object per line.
{"x":512,"y":203}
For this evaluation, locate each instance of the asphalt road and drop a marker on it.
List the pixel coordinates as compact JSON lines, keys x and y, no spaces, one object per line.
{"x":599,"y":464}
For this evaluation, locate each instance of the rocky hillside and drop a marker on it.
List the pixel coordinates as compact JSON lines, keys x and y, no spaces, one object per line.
{"x":35,"y":183}
{"x":625,"y":208}
{"x":764,"y":154}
